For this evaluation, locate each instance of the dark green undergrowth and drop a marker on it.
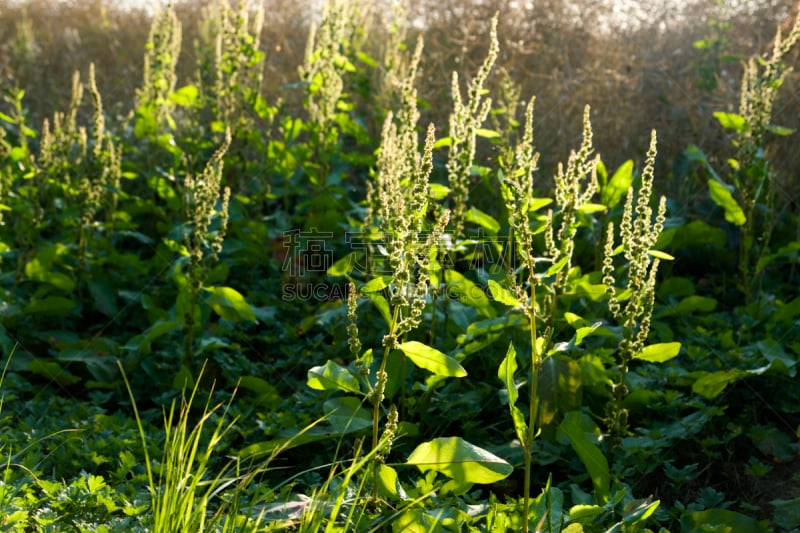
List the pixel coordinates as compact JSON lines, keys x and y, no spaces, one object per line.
{"x":225,"y":311}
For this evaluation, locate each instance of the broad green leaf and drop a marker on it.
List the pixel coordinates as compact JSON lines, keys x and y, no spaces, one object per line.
{"x":381,"y":305}
{"x":618,"y":186}
{"x":468,"y":293}
{"x":690,"y":304}
{"x":537,"y":203}
{"x":432,"y":359}
{"x":723,"y":520}
{"x":560,"y":382}
{"x":437,"y":191}
{"x":732,"y":121}
{"x":659,"y":353}
{"x":558,"y":267}
{"x":415,"y":521}
{"x":266,"y":393}
{"x":52,"y":305}
{"x":377,"y":284}
{"x":347,"y":414}
{"x":186,"y":96}
{"x":229,"y":304}
{"x":444,"y":141}
{"x":589,"y":208}
{"x":493,"y":325}
{"x":366,"y":59}
{"x":332,"y":376}
{"x":778,"y":358}
{"x":787,"y":513}
{"x":712,"y":384}
{"x":388,"y":484}
{"x":638,"y":511}
{"x":503,"y":295}
{"x":584,"y":513}
{"x":723,"y":198}
{"x":588,"y":452}
{"x":345,"y":265}
{"x":486,"y":134}
{"x":780,"y":130}
{"x":459,"y":460}
{"x":485,"y":221}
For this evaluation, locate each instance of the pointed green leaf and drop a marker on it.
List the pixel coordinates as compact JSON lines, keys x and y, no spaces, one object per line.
{"x":506,"y":374}
{"x":468,"y":293}
{"x":664,"y":256}
{"x":723,"y":198}
{"x":659,"y":353}
{"x":712,"y":384}
{"x":186,"y":96}
{"x":332,"y":376}
{"x":437,"y":191}
{"x":780,"y":130}
{"x":485,"y":221}
{"x":720,"y":520}
{"x":377,"y":284}
{"x":388,"y":484}
{"x":229,"y":304}
{"x":486,"y":134}
{"x":618,"y":186}
{"x":537,"y":203}
{"x":732,"y":121}
{"x":459,"y":460}
{"x":589,"y":208}
{"x":503,"y":295}
{"x":432,"y":359}
{"x":589,"y":453}
{"x":345,"y":265}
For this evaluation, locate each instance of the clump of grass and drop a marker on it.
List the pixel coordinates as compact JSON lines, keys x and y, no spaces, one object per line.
{"x":182,"y":485}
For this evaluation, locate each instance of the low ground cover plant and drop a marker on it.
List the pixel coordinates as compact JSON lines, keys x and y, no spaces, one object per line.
{"x":228,"y":311}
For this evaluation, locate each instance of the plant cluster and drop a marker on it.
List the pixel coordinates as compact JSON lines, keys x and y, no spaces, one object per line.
{"x":392,"y":330}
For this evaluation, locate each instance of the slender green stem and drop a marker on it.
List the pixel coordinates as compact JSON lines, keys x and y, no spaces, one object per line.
{"x":380,"y":385}
{"x":533,"y":405}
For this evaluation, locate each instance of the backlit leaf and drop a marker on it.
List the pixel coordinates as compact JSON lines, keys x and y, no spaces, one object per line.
{"x":723,"y":198}
{"x":659,"y":353}
{"x":432,"y":359}
{"x":589,"y":453}
{"x":618,"y":186}
{"x":332,"y":376}
{"x":459,"y":460}
{"x":229,"y":304}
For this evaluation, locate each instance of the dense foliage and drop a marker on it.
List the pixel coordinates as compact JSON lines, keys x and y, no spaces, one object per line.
{"x":225,"y":310}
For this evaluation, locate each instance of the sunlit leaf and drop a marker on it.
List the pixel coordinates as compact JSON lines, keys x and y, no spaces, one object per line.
{"x":485,"y":221}
{"x":589,"y":453}
{"x":659,"y":353}
{"x":332,"y":376}
{"x":503,"y":295}
{"x":723,"y":198}
{"x":229,"y":304}
{"x":618,"y":185}
{"x":432,"y":359}
{"x":459,"y":460}
{"x":468,"y":293}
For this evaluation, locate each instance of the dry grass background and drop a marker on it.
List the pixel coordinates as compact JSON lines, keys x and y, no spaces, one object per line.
{"x":637,"y":72}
